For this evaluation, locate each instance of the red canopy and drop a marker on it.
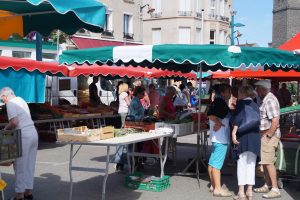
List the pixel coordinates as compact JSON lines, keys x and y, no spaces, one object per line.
{"x":292,"y":44}
{"x":86,"y":70}
{"x":260,"y":74}
{"x":31,"y":65}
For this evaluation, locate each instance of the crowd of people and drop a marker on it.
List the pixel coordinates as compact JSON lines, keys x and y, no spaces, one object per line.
{"x":255,"y":133}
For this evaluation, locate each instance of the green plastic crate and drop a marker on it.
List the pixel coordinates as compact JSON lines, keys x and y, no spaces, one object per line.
{"x":154,"y":185}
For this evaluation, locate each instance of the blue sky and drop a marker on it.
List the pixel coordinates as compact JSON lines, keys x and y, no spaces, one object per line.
{"x":257,"y":16}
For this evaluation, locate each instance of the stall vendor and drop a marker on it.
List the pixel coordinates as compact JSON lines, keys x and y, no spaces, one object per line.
{"x":93,"y":92}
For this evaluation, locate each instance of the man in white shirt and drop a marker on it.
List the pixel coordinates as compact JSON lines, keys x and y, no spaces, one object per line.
{"x":19,"y":118}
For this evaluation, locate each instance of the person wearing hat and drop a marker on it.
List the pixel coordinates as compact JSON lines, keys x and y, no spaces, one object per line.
{"x":19,"y":118}
{"x":270,"y":135}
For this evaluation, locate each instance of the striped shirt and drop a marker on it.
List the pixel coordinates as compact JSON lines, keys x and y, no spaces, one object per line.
{"x":269,"y":109}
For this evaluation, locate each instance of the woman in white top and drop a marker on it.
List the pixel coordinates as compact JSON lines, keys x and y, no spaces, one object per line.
{"x":124,"y":102}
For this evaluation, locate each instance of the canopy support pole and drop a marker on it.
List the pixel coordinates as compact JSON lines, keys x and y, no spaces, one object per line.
{"x":200,"y":142}
{"x":39,"y":51}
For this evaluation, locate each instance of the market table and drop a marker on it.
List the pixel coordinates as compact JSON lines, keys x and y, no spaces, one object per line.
{"x":124,"y":140}
{"x":59,"y":123}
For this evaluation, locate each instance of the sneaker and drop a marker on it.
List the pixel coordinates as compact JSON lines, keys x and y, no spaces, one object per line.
{"x":274,"y":193}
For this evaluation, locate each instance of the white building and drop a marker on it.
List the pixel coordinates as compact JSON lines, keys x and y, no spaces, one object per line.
{"x":180,"y":21}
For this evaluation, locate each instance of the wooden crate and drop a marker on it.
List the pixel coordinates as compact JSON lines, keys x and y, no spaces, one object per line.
{"x":78,"y":134}
{"x":107,"y":132}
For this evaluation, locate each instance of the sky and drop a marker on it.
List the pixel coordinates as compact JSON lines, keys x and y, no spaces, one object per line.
{"x":257,"y":17}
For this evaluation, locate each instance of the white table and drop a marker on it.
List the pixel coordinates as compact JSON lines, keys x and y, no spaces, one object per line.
{"x":125,"y":140}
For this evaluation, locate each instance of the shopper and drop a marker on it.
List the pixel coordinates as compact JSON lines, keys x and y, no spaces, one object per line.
{"x":219,"y":115}
{"x":166,"y":108}
{"x":245,"y":135}
{"x":284,"y":96}
{"x":19,"y":118}
{"x":136,"y":109}
{"x":154,"y":97}
{"x":124,"y":102}
{"x":270,"y":135}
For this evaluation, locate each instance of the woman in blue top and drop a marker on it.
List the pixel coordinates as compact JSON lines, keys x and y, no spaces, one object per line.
{"x":136,"y":108}
{"x":245,"y":134}
{"x":219,"y":115}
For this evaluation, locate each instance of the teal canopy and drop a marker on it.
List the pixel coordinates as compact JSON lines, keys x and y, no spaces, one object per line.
{"x":186,"y":58}
{"x":44,"y":16}
{"x":28,"y":85}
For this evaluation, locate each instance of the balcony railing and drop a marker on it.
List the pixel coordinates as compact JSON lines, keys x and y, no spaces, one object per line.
{"x":128,"y":36}
{"x":185,"y":13}
{"x":199,"y":14}
{"x":156,"y":14}
{"x":128,"y":1}
{"x":219,"y":17}
{"x":108,"y":33}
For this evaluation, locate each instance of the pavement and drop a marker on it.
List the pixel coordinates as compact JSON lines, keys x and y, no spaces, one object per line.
{"x":52,"y":177}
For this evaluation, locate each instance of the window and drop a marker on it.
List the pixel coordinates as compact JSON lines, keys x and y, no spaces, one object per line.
{"x":128,"y":26}
{"x":64,"y":84}
{"x":212,"y":37}
{"x":21,"y":54}
{"x":50,"y":56}
{"x":212,"y":8}
{"x":221,"y":37}
{"x":199,"y":36}
{"x":108,"y":27}
{"x":222,"y":7}
{"x":156,"y":36}
{"x":184,"y":35}
{"x":185,"y":8}
{"x":226,"y":38}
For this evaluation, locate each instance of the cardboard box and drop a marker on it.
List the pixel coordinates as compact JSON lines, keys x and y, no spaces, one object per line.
{"x":78,"y":134}
{"x":107,"y":132}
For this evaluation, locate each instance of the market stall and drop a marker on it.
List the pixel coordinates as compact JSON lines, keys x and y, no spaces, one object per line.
{"x":186,"y":58}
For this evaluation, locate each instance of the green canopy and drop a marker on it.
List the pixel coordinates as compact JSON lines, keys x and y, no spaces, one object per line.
{"x":186,"y":58}
{"x":23,"y":16}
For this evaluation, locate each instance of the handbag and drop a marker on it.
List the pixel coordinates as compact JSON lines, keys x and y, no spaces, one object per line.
{"x":250,"y":120}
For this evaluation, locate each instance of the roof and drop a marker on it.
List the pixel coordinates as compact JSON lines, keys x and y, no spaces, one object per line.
{"x":292,"y":44}
{"x":27,"y":44}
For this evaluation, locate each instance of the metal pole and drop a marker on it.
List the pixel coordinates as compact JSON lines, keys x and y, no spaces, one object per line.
{"x":232,"y":27}
{"x":199,"y":122}
{"x":202,"y":26}
{"x":39,"y":51}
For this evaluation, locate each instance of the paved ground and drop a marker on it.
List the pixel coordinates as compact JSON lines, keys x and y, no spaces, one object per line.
{"x":52,"y":178}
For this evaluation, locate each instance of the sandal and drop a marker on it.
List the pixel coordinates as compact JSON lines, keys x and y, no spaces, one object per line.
{"x":224,"y":193}
{"x":263,"y":189}
{"x":249,"y":195}
{"x":240,"y":197}
{"x":272,"y":194}
{"x":211,"y":189}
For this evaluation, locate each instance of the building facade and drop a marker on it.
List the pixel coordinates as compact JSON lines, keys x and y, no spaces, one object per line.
{"x":286,"y":20}
{"x":180,"y":21}
{"x":123,"y":23}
